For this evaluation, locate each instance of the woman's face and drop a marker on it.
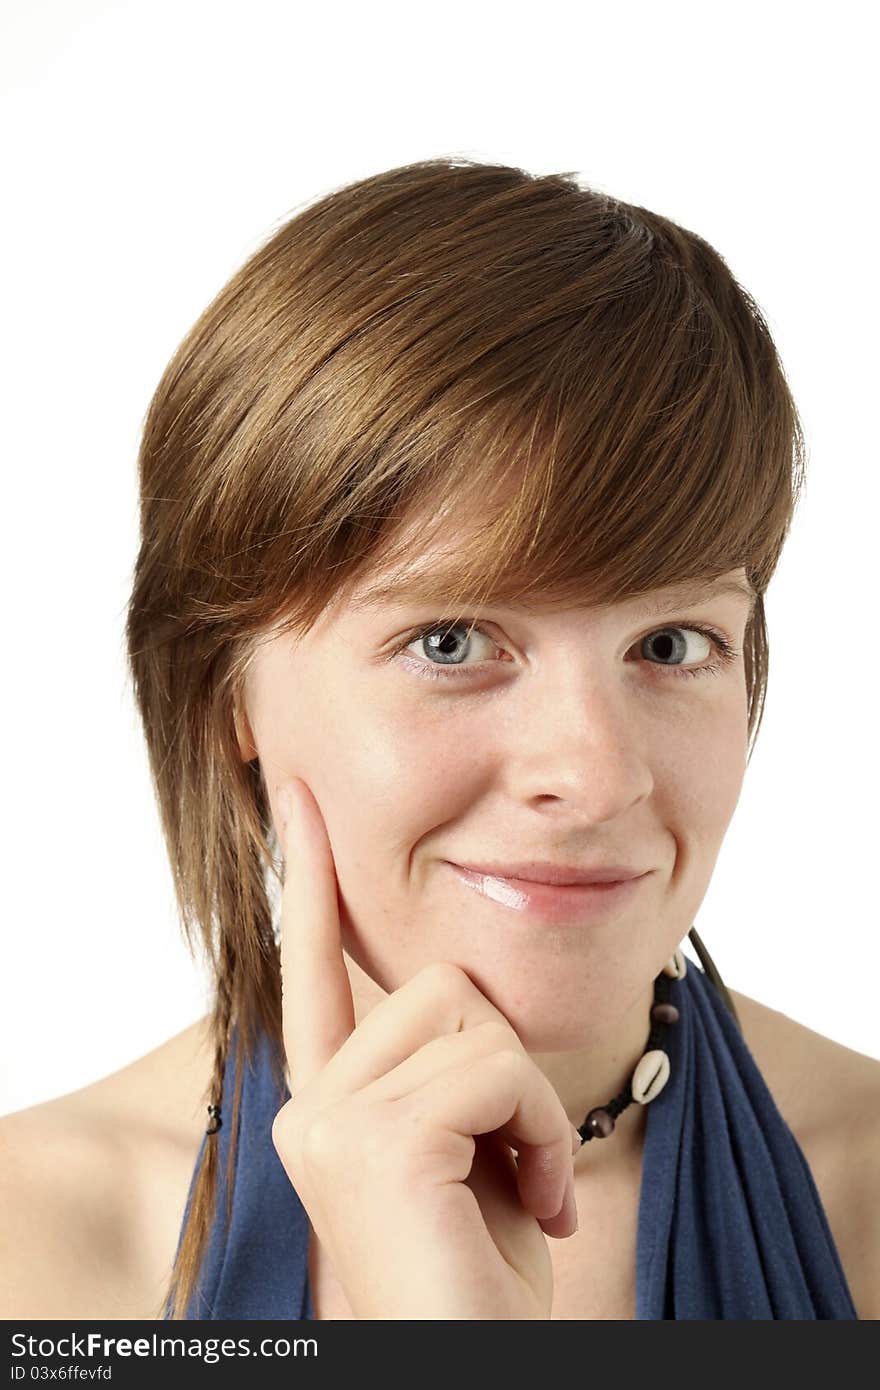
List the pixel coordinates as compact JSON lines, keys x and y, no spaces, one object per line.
{"x":566,"y":737}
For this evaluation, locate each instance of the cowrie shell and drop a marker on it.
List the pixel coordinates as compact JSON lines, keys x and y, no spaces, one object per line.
{"x":650,"y":1076}
{"x":676,"y":966}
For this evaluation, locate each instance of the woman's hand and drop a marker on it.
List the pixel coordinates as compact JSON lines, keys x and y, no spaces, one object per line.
{"x":398,"y":1134}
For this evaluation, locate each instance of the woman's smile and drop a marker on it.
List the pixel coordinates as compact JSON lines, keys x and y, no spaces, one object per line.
{"x":573,"y":903}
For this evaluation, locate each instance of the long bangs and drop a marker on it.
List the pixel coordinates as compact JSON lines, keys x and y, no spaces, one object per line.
{"x":605,"y":454}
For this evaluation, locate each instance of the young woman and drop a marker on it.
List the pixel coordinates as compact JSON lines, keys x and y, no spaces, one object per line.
{"x":459,"y":505}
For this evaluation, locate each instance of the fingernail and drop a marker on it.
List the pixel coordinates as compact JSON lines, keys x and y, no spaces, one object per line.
{"x":569,"y":1205}
{"x":576,"y":1140}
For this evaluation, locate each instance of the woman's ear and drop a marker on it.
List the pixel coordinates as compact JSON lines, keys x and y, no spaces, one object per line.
{"x":244,"y":735}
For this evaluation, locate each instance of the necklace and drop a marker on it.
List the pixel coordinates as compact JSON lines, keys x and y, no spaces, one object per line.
{"x":652,"y":1070}
{"x":648,"y":1079}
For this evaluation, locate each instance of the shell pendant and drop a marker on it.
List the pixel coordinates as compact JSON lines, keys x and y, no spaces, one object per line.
{"x":676,"y":966}
{"x":650,"y":1076}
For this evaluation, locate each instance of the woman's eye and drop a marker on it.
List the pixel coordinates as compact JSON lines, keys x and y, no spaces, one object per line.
{"x":444,"y":649}
{"x":449,"y":644}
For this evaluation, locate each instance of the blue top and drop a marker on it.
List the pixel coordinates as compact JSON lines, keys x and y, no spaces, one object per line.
{"x":730,"y":1222}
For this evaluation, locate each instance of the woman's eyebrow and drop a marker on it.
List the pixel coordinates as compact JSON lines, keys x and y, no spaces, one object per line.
{"x":686,"y":595}
{"x":416,"y":590}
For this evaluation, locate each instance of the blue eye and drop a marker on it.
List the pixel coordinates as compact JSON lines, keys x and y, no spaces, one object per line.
{"x":442,"y":643}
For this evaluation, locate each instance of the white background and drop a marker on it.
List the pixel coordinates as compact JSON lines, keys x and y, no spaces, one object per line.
{"x":150,"y":147}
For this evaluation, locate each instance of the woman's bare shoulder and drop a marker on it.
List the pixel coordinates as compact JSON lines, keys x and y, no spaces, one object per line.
{"x":829,"y":1096}
{"x":93,"y":1186}
{"x":810,"y":1076}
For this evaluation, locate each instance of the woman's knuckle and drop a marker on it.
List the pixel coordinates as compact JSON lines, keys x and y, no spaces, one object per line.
{"x":499,"y":1035}
{"x":511,"y":1060}
{"x":321,"y":1138}
{"x":285,"y":1127}
{"x":443,"y":976}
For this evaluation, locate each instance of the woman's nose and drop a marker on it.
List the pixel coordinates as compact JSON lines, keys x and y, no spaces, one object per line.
{"x":582,"y":745}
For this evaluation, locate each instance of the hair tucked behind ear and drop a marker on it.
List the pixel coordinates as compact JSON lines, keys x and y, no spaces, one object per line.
{"x":582,"y":375}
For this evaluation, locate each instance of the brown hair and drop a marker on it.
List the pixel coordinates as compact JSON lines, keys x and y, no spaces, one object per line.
{"x":444,"y":331}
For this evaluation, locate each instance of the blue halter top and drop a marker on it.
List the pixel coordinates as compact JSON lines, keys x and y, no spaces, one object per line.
{"x":730,"y":1223}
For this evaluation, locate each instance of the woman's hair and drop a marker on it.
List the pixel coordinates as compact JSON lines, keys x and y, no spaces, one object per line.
{"x":584,"y":378}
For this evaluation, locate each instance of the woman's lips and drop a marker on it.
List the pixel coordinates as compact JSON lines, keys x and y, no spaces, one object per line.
{"x":574,"y":903}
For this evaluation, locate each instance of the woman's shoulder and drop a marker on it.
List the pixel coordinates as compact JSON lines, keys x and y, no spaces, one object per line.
{"x":812,"y":1078}
{"x":829,"y":1096}
{"x":93,"y":1186}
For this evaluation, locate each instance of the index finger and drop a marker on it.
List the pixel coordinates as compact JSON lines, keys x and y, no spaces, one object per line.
{"x":317,"y":1007}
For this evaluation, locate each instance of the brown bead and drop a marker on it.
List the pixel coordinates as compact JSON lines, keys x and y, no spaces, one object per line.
{"x":665,"y":1013}
{"x":599,"y":1123}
